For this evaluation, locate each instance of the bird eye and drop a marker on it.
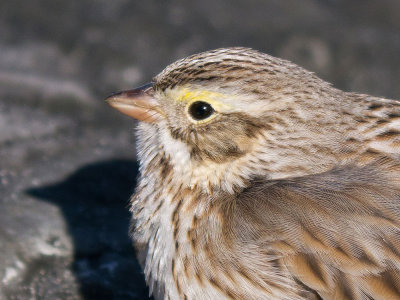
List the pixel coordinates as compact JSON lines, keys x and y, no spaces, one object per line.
{"x":200,"y":110}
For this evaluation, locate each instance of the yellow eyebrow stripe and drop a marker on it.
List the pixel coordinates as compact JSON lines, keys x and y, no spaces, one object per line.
{"x":189,"y":96}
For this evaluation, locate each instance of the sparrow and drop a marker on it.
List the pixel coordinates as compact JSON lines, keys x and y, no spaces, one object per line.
{"x":259,"y":180}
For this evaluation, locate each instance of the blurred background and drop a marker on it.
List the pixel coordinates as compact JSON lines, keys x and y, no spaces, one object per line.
{"x":67,"y":161}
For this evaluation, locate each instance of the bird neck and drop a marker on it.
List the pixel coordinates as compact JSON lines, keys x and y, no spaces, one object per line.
{"x":374,"y":130}
{"x":313,"y":137}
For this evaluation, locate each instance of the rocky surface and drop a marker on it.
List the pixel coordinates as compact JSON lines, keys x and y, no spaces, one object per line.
{"x":67,"y":162}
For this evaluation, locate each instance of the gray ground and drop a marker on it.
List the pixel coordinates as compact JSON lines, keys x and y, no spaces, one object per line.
{"x":67,"y":161}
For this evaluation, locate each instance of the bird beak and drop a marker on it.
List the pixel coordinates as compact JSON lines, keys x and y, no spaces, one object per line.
{"x":138,"y":103}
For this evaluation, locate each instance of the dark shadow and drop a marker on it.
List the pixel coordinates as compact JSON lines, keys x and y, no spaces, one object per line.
{"x":94,"y":200}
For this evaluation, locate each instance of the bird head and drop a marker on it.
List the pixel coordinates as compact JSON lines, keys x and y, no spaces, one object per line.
{"x":223,"y":117}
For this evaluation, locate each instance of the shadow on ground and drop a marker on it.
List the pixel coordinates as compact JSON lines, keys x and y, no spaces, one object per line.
{"x":94,"y":201}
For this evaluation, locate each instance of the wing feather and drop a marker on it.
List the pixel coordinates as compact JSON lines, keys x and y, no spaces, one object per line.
{"x":338,"y":233}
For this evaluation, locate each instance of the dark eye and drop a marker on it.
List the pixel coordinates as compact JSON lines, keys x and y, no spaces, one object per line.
{"x":200,"y":110}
